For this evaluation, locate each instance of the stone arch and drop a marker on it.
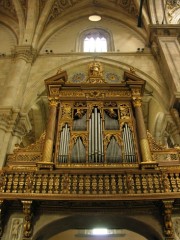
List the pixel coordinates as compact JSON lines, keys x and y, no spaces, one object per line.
{"x":89,"y":221}
{"x":37,"y":86}
{"x":107,"y":11}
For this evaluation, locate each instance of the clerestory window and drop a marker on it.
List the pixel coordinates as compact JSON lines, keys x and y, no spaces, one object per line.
{"x":95,"y":44}
{"x":95,"y":40}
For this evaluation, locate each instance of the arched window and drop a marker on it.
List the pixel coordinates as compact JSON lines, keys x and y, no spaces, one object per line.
{"x":93,"y":44}
{"x":95,"y":40}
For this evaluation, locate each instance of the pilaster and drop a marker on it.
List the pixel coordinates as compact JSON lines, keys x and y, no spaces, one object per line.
{"x":166,"y":48}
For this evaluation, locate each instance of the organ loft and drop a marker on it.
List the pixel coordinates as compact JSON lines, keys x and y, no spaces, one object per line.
{"x":95,"y":150}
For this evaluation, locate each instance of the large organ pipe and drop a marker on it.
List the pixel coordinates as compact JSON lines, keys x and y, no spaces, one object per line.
{"x":99,"y":138}
{"x":102,"y":147}
{"x":132,"y":146}
{"x":92,"y":137}
{"x":95,"y":134}
{"x":90,"y":140}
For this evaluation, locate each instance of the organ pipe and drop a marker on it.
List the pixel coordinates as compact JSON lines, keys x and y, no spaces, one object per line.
{"x":64,"y":144}
{"x":95,"y":137}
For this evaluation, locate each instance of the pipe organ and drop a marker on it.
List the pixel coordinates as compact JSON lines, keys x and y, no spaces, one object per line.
{"x":96,"y":123}
{"x":96,"y":133}
{"x":95,"y":148}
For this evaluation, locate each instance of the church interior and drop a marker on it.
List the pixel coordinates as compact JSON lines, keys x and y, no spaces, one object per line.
{"x":90,"y":119}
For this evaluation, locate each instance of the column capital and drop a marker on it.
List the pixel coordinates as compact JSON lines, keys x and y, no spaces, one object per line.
{"x":27,"y":53}
{"x":137,"y":101}
{"x":53,"y":101}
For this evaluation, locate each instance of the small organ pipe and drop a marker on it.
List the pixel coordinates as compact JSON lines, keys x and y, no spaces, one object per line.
{"x":127,"y":138}
{"x":125,"y":143}
{"x":129,"y":141}
{"x":64,"y":143}
{"x":67,"y":144}
{"x":60,"y":146}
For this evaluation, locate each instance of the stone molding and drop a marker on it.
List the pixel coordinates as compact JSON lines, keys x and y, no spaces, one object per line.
{"x":12,"y":120}
{"x":27,"y":53}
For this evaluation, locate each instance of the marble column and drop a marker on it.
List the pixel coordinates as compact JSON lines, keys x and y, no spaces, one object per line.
{"x":141,"y":129}
{"x":49,"y":139}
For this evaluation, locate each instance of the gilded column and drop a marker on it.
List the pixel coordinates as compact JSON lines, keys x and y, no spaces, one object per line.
{"x":49,"y":139}
{"x":141,"y":129}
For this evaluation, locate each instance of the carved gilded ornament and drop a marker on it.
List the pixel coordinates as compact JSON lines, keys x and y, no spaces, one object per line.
{"x":74,"y":93}
{"x":82,"y":135}
{"x":65,"y":184}
{"x":124,"y":111}
{"x":66,"y":111}
{"x":107,"y":138}
{"x":168,"y":225}
{"x":95,"y":69}
{"x":27,"y":210}
{"x":91,"y":106}
{"x":95,"y":94}
{"x":54,"y":91}
{"x":53,"y":101}
{"x":121,"y":93}
{"x":137,"y":101}
{"x":166,"y":183}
